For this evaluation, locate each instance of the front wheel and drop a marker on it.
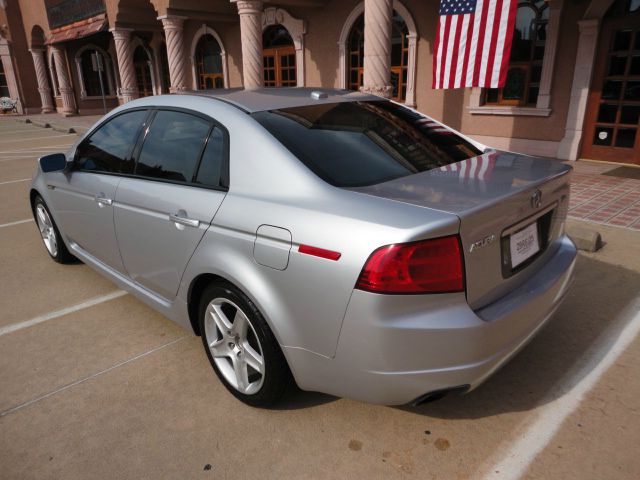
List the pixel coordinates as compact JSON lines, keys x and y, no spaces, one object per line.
{"x":50,"y":234}
{"x":241,"y":347}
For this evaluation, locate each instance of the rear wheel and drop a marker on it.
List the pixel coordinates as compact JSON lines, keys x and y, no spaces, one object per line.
{"x":50,"y":234}
{"x":241,"y":347}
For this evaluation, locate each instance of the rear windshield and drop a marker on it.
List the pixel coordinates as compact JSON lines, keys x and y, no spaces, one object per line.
{"x":356,"y":144}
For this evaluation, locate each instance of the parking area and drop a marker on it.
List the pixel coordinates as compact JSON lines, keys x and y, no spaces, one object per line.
{"x":94,"y":384}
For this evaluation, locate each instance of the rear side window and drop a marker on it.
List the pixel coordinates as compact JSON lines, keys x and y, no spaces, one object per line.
{"x":210,"y":173}
{"x":109,"y":148}
{"x":172,"y":148}
{"x":364,"y":143}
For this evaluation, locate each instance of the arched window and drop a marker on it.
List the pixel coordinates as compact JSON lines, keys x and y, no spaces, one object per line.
{"x":399,"y":56}
{"x":142,"y":67}
{"x":90,"y":74}
{"x":355,"y":44}
{"x":208,"y":60}
{"x":278,"y":57}
{"x":4,"y":85}
{"x":527,"y":54}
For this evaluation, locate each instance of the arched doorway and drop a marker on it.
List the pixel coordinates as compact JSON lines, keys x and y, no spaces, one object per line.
{"x":278,"y":57}
{"x":612,"y":122}
{"x":208,"y":62}
{"x":164,"y":67}
{"x":399,"y":56}
{"x":142,"y":66}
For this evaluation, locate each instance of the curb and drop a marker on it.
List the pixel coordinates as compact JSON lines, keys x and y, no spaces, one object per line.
{"x":55,"y":127}
{"x":585,"y":238}
{"x":38,"y":123}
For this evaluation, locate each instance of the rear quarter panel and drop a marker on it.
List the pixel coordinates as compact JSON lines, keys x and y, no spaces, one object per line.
{"x":306,"y":302}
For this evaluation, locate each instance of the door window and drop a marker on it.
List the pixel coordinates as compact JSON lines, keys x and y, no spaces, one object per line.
{"x":109,"y":148}
{"x":210,"y":173}
{"x":173,"y":146}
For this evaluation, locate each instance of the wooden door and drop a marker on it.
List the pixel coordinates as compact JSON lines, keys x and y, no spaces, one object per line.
{"x":279,"y":66}
{"x":612,"y":122}
{"x":143,"y":78}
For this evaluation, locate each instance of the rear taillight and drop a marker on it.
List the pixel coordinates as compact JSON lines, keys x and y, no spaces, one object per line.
{"x":427,"y":266}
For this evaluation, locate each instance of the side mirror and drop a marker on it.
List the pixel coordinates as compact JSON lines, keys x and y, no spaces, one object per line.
{"x":56,"y":162}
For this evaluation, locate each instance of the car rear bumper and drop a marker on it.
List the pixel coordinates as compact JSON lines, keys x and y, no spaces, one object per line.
{"x":394,"y":349}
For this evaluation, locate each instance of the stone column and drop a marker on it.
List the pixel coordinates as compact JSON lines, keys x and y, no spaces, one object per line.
{"x":585,"y":59}
{"x":377,"y":47}
{"x":43,"y":80}
{"x":553,"y":33}
{"x":128,"y":86}
{"x":250,"y":12}
{"x":64,"y":83}
{"x":174,"y":33}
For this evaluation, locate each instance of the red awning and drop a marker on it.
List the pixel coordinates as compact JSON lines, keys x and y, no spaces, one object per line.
{"x":80,"y":29}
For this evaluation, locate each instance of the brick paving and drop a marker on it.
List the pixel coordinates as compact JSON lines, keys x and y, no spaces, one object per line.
{"x":602,"y":199}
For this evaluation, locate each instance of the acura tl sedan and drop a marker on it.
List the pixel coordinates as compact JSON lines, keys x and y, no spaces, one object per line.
{"x":333,"y":239}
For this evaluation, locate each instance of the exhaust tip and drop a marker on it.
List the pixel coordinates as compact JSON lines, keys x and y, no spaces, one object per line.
{"x":439,"y":394}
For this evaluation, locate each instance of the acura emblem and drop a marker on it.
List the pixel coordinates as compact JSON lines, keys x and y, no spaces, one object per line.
{"x":482,"y":243}
{"x":536,"y":199}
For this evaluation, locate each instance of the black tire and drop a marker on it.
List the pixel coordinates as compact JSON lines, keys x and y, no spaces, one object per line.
{"x":60,"y":254}
{"x":276,"y":378}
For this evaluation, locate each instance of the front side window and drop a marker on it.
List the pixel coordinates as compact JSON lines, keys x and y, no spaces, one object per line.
{"x":110,"y":147}
{"x":364,"y":143}
{"x":527,"y":54}
{"x":172,"y":148}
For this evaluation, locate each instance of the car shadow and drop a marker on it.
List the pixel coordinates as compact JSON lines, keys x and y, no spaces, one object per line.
{"x":297,"y":399}
{"x":592,"y":316}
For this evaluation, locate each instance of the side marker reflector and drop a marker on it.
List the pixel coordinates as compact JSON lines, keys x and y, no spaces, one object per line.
{"x":319,"y":252}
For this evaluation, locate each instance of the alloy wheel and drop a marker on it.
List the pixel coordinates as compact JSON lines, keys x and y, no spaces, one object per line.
{"x":234,"y":346}
{"x":47,"y":231}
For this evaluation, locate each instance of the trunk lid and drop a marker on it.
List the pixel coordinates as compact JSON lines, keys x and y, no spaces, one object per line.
{"x":495,"y":195}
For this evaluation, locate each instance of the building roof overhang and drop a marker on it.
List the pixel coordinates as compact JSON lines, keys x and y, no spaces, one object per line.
{"x":79,"y":29}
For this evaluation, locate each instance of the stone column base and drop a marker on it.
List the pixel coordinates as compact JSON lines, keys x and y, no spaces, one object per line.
{"x":379,"y":91}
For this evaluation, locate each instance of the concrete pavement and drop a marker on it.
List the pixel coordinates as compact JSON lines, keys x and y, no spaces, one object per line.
{"x":111,"y":389}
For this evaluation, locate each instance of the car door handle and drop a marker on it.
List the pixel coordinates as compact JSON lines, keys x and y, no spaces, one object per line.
{"x":179,"y":219}
{"x":103,"y":200}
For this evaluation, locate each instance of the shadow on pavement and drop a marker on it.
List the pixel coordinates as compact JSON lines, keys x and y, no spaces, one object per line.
{"x":298,"y":399}
{"x":594,"y":312}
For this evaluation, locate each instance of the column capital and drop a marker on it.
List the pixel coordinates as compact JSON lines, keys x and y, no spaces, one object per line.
{"x":172,"y":21}
{"x":249,"y":6}
{"x":121,"y":33}
{"x":588,"y":27}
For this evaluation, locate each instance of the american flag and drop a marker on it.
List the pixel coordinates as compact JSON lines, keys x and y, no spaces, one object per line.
{"x":475,"y":170}
{"x":473,"y":43}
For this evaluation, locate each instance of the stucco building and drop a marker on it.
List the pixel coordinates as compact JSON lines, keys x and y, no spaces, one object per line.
{"x":573,"y":87}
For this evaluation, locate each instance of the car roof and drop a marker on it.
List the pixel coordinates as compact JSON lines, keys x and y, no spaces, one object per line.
{"x":261,"y":99}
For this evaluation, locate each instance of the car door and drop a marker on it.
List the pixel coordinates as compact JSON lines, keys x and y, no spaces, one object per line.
{"x":162,"y":212}
{"x":83,"y":197}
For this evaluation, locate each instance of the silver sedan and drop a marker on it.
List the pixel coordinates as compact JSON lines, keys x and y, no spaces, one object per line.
{"x":336,"y":240}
